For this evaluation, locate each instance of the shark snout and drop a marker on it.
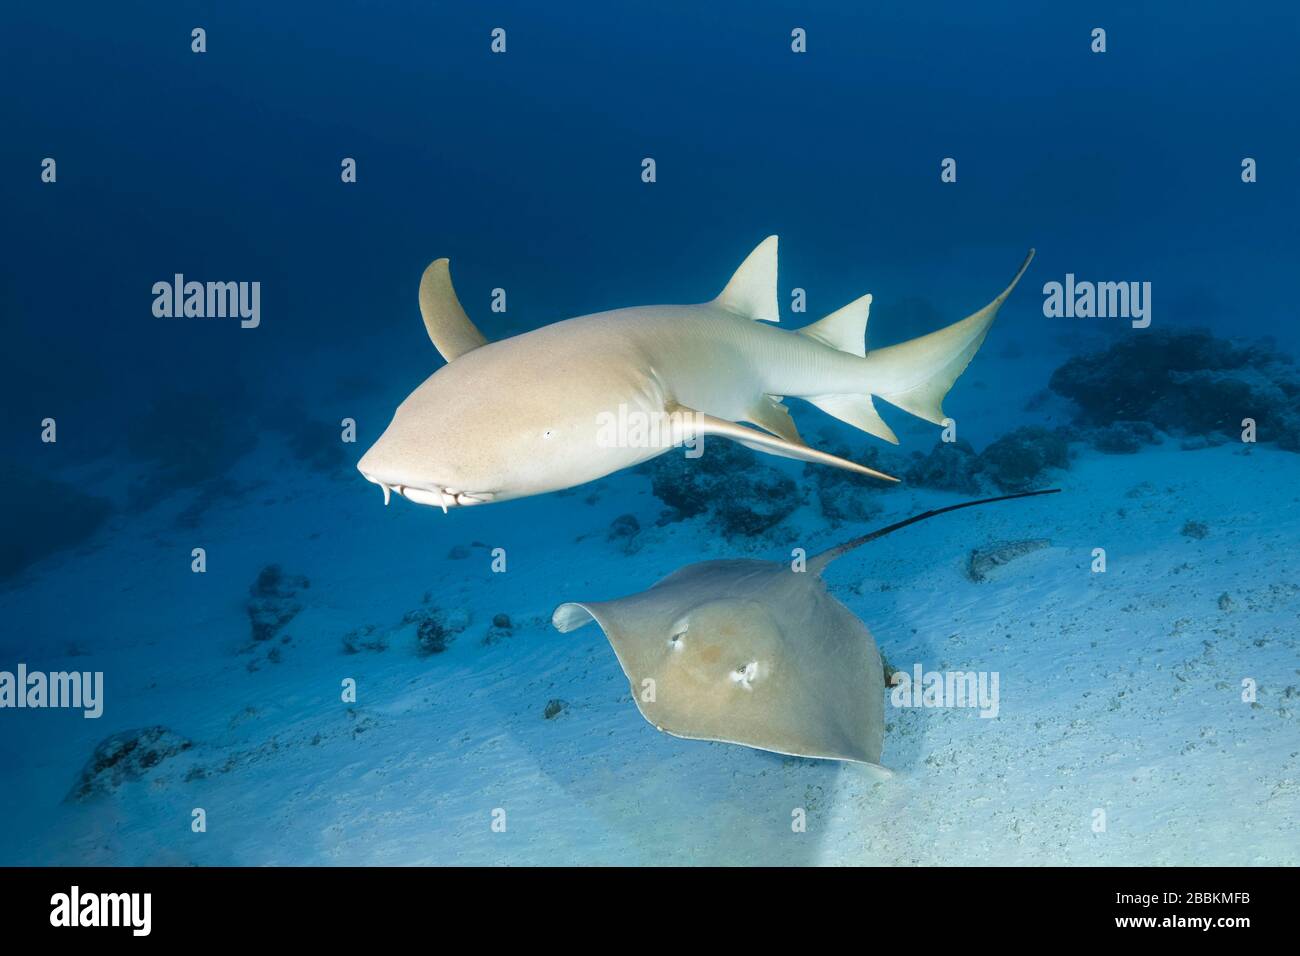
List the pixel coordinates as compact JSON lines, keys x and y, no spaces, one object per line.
{"x":419,"y":491}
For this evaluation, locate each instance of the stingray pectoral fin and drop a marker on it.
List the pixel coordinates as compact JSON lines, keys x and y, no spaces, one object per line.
{"x":571,"y":616}
{"x":694,"y":424}
{"x":449,"y":328}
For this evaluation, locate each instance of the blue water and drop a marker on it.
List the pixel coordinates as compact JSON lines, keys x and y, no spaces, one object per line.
{"x":525,"y":169}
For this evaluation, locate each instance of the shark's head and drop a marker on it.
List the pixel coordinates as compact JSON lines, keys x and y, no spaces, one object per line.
{"x":523,"y":416}
{"x":494,"y":431}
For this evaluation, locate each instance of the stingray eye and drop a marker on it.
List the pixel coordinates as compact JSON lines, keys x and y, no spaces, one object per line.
{"x":548,"y":433}
{"x":678,"y":632}
{"x":744,"y":676}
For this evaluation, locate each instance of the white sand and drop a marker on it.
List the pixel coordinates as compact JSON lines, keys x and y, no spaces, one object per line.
{"x":1119,"y":691}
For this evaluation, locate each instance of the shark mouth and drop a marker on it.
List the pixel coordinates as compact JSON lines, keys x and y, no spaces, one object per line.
{"x":445,"y":498}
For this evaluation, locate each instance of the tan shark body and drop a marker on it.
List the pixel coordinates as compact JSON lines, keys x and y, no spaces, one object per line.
{"x":537,"y":412}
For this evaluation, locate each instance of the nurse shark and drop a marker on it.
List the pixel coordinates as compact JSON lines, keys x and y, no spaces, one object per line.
{"x":531,"y":414}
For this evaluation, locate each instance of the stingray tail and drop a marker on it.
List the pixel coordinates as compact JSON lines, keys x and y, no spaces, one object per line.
{"x":818,"y":563}
{"x":914,"y":375}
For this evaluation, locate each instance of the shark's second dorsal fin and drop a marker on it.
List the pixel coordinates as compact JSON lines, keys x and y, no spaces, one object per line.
{"x":449,"y":328}
{"x":844,"y":329}
{"x":752,"y":290}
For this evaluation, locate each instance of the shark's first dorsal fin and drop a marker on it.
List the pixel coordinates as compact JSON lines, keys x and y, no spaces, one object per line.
{"x":845,"y":329}
{"x":449,"y":328}
{"x":752,"y":290}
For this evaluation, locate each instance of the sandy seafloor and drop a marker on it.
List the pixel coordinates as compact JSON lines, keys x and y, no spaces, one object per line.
{"x":1119,"y":691}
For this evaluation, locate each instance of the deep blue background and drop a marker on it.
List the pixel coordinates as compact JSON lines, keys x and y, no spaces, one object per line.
{"x":525,"y":170}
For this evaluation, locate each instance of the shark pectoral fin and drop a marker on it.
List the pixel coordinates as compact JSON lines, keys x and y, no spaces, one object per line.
{"x":695,"y":423}
{"x":752,"y":290}
{"x":449,"y":328}
{"x":770,"y":415}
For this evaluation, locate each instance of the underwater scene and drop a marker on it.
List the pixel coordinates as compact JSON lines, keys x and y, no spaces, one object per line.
{"x":650,"y":435}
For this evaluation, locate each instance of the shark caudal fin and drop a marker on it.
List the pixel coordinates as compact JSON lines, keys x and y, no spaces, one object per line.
{"x":916,"y":375}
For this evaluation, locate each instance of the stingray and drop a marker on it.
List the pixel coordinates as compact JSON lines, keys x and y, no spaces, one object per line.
{"x":754,"y":653}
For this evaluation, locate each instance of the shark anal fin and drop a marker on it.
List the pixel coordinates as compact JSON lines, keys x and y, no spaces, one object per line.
{"x":691,"y":423}
{"x":449,"y":328}
{"x":770,"y":415}
{"x":858,"y":411}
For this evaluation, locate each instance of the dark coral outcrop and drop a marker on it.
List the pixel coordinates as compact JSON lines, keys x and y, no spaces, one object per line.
{"x":1188,"y":383}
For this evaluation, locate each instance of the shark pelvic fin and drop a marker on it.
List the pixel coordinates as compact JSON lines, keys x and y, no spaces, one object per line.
{"x":449,"y":328}
{"x":770,"y":415}
{"x":752,"y":290}
{"x":696,"y":424}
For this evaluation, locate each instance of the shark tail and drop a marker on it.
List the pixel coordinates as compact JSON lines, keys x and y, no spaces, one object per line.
{"x":914,"y":375}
